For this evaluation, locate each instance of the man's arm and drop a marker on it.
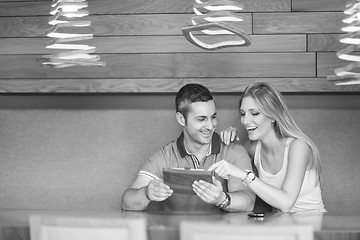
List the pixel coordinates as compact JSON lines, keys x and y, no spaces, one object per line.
{"x":242,"y":197}
{"x":241,"y":200}
{"x":134,"y":197}
{"x":144,"y":190}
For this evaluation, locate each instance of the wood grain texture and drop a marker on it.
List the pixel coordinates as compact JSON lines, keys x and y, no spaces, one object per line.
{"x":110,"y":25}
{"x":166,"y":85}
{"x":304,"y":22}
{"x":142,"y":40}
{"x":158,"y":44}
{"x":318,"y":5}
{"x":327,"y":62}
{"x":169,"y":65}
{"x":324,"y":43}
{"x":184,"y":6}
{"x":99,"y":7}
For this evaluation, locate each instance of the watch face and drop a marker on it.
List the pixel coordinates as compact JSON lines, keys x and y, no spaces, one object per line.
{"x":228,"y":199}
{"x":252,"y":176}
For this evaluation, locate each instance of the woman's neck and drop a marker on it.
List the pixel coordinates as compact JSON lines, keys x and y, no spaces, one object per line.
{"x":272,"y":154}
{"x":272,"y":144}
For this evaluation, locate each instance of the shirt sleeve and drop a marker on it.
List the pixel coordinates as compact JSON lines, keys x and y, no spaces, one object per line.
{"x":154,"y":165}
{"x":238,"y":156}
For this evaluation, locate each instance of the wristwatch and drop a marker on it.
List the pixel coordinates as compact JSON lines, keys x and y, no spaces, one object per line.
{"x":224,"y":204}
{"x":250,"y":176}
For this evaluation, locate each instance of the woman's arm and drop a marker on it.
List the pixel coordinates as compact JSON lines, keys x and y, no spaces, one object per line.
{"x":282,"y":198}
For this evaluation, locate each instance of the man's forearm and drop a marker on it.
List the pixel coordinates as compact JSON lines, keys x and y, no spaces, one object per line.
{"x":241,"y":201}
{"x":135,"y":199}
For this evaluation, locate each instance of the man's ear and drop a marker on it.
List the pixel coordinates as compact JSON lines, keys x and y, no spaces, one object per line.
{"x":180,"y":119}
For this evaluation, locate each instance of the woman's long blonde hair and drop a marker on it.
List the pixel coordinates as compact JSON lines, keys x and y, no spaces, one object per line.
{"x":271,"y":103}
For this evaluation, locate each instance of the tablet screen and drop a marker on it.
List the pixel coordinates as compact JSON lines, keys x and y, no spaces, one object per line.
{"x":180,"y":180}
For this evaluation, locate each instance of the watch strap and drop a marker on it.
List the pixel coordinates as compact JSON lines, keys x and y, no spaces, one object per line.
{"x":227,"y":201}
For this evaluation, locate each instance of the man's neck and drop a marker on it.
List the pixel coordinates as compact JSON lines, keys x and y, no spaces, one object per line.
{"x":199,"y":150}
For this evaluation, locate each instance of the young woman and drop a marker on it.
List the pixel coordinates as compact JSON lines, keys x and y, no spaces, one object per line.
{"x":287,"y":161}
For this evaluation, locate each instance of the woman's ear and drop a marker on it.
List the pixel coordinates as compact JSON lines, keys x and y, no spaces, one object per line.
{"x":180,"y":119}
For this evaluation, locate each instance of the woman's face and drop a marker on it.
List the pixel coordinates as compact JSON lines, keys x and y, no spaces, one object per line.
{"x":255,"y":122}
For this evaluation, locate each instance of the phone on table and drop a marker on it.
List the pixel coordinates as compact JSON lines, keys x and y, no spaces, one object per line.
{"x":256,"y":215}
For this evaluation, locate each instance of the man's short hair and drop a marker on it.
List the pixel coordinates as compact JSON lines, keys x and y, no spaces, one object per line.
{"x":191,"y":93}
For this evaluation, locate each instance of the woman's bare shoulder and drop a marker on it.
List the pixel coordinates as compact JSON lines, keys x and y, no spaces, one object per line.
{"x":300,"y":152}
{"x":299,"y":145}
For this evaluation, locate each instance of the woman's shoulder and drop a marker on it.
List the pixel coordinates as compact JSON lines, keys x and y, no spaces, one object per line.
{"x":299,"y":149}
{"x":297,"y":144}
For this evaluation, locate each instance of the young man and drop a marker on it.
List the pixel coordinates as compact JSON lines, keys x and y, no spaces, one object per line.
{"x":198,"y":147}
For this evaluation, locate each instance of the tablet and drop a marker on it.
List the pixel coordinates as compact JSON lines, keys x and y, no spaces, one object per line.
{"x":181,"y":179}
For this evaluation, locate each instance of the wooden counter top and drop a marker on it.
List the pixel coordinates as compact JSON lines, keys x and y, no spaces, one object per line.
{"x":14,"y":224}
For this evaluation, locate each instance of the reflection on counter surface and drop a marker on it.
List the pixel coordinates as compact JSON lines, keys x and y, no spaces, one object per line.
{"x":15,"y":223}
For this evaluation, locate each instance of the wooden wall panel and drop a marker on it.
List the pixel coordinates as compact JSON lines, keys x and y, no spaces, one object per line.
{"x":293,"y":43}
{"x":183,"y":6}
{"x":158,"y":44}
{"x":318,"y":5}
{"x":168,"y":85}
{"x":324,"y":43}
{"x":11,"y":8}
{"x":176,"y":44}
{"x":15,"y":27}
{"x":162,"y":24}
{"x":170,"y":66}
{"x":306,"y":22}
{"x":109,"y":25}
{"x":327,"y":62}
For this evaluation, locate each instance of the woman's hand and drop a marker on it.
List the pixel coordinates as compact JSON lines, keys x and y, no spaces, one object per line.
{"x":226,"y":170}
{"x":229,"y":135}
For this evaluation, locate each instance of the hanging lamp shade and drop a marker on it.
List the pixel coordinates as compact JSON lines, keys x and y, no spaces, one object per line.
{"x":70,"y":32}
{"x":218,"y":19}
{"x":349,"y":74}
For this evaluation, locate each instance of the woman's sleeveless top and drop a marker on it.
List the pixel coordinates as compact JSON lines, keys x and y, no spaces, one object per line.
{"x":309,"y":198}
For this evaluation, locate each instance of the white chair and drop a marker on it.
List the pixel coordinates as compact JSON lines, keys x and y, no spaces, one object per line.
{"x":213,"y":231}
{"x":48,"y":227}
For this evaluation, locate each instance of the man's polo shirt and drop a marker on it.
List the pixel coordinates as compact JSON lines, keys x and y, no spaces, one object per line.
{"x":174,"y":155}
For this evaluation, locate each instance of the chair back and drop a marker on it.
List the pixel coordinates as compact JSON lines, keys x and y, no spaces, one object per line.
{"x":48,"y":227}
{"x":213,"y":231}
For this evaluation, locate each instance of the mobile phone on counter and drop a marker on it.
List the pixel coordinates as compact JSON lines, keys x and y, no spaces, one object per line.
{"x":256,"y":215}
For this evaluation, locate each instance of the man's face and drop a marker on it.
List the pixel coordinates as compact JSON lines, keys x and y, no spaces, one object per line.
{"x":201,"y":122}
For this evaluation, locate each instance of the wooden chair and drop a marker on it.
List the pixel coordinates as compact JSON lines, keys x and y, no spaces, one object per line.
{"x":213,"y":231}
{"x":48,"y":227}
